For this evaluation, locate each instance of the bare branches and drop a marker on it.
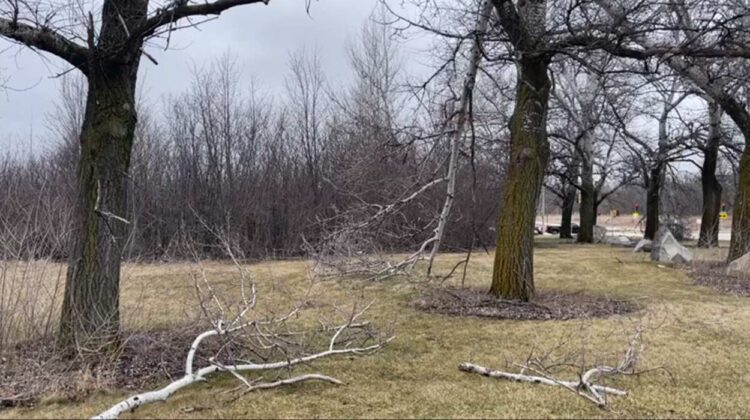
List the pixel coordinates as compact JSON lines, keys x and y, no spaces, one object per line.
{"x":45,"y":39}
{"x":268,"y":334}
{"x":178,"y":10}
{"x":201,"y":374}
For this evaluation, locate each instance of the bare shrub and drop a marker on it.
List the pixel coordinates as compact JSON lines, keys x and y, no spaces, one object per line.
{"x":30,"y":297}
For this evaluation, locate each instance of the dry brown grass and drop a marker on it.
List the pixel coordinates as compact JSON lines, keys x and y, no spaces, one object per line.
{"x":702,"y":338}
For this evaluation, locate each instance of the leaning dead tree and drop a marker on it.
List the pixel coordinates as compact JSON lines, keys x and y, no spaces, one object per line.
{"x":249,"y":343}
{"x":342,"y":249}
{"x":461,"y":116}
{"x":536,"y":372}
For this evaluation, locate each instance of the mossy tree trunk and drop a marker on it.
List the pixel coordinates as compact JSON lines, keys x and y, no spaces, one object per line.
{"x":709,"y":233}
{"x":513,"y":276}
{"x":109,"y":60}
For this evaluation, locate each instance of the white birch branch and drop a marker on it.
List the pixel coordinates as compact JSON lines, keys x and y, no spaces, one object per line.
{"x":575,"y":386}
{"x":163,"y":394}
{"x":584,"y":386}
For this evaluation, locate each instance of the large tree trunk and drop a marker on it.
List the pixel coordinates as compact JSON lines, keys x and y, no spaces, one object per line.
{"x":90,"y":313}
{"x":587,"y":214}
{"x":588,"y":188}
{"x":653,"y":191}
{"x":709,"y":235}
{"x":656,"y":177}
{"x":90,"y":318}
{"x":568,"y":203}
{"x":569,"y":198}
{"x":513,"y":276}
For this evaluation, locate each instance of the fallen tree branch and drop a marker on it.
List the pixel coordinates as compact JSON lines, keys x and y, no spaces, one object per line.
{"x":574,"y":386}
{"x":583,"y":387}
{"x":265,"y":333}
{"x":163,"y":394}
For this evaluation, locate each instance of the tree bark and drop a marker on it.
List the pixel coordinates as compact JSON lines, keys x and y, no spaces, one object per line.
{"x":587,"y":209}
{"x":709,"y":234}
{"x":90,"y":313}
{"x":513,"y":276}
{"x":566,"y":224}
{"x":587,"y":214}
{"x":653,"y":192}
{"x":569,"y":197}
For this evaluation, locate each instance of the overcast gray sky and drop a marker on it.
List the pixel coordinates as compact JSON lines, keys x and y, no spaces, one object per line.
{"x":260,"y":36}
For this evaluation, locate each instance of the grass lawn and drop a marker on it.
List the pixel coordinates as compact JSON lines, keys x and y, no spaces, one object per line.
{"x":702,"y":337}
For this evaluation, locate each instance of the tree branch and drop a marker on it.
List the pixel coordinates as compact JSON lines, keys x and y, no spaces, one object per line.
{"x":181,"y":10}
{"x":44,"y":39}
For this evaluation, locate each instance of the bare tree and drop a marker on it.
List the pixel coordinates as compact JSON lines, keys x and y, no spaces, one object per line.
{"x":582,"y":119}
{"x":695,"y":38}
{"x":307,"y":105}
{"x":672,"y":140}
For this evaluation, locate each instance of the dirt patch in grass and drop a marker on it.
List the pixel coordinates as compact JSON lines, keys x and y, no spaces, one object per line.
{"x":30,"y":372}
{"x":713,"y":274}
{"x":547,"y":305}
